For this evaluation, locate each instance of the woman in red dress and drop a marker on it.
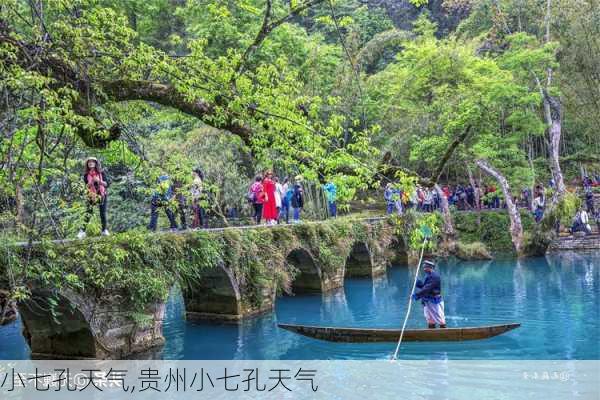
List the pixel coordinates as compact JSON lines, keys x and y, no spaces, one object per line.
{"x":269,"y":205}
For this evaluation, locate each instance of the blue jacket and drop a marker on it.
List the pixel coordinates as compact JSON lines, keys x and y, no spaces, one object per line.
{"x":330,"y":191}
{"x":430,"y":287}
{"x":160,"y":194}
{"x":298,"y":197}
{"x":392,"y":195}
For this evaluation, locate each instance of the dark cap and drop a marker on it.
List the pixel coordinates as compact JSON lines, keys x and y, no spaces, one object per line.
{"x":428,"y":264}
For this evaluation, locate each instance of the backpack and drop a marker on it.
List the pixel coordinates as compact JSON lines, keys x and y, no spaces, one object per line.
{"x":251,"y":195}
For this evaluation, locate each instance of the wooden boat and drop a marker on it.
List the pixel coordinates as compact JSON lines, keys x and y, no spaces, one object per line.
{"x":362,"y":335}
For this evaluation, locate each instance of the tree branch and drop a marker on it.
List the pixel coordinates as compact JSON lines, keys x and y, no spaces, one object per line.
{"x":167,"y":95}
{"x":444,"y":160}
{"x":267,"y":28}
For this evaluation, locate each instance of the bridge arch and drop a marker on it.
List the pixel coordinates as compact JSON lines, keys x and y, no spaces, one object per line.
{"x":56,"y":328}
{"x":359,"y":262}
{"x":215,"y":295}
{"x":397,"y":251}
{"x":308,"y":274}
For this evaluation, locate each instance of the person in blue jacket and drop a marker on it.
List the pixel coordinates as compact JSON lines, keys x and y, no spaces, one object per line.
{"x":430,"y":294}
{"x":331,"y":194}
{"x":162,"y":197}
{"x":393,"y":199}
{"x":297,"y":201}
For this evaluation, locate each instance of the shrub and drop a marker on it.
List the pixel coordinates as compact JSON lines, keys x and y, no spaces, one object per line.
{"x":472,"y":251}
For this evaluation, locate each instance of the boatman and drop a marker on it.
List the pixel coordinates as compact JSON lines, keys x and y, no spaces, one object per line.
{"x":430,"y":294}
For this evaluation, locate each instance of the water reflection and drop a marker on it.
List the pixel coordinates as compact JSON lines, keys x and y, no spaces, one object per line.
{"x":554,"y":297}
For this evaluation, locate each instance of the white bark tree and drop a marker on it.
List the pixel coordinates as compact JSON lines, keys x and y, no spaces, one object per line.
{"x":516,"y":227}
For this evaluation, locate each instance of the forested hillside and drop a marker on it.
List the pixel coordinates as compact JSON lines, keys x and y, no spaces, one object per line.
{"x":359,"y":93}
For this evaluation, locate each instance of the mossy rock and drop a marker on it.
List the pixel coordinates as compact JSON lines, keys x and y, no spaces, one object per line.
{"x":472,"y":251}
{"x":493,"y":230}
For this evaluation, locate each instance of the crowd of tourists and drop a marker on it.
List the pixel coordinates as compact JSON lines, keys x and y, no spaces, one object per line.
{"x":168,"y":196}
{"x":462,"y":197}
{"x":274,"y":201}
{"x":271,"y":200}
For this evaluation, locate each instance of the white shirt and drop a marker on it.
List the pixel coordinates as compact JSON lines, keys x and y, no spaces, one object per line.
{"x":278,"y":194}
{"x":584,"y":218}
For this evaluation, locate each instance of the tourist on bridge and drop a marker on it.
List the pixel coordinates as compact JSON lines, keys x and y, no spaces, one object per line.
{"x":199,"y":219}
{"x":163,"y":197}
{"x":447,"y":194}
{"x":436,"y":199}
{"x":279,"y":195}
{"x":286,"y":198}
{"x":269,"y":210}
{"x":420,"y":198}
{"x":297,"y":201}
{"x":430,"y":294}
{"x":331,"y":194}
{"x":181,"y":208}
{"x":96,"y":185}
{"x":393,"y":199}
{"x":256,"y":196}
{"x":470,"y":192}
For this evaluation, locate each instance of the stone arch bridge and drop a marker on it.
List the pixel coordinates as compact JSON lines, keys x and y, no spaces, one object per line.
{"x":85,"y":300}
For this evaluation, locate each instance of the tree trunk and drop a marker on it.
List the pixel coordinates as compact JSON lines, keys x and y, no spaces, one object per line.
{"x":553,"y":119}
{"x":552,"y":113}
{"x":516,"y":228}
{"x":20,"y":206}
{"x":476,"y":192}
{"x":532,"y":187}
{"x":448,"y":232}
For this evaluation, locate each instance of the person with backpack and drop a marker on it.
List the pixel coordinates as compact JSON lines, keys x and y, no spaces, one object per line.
{"x":331,"y":194}
{"x":286,"y":197}
{"x":96,"y":185}
{"x":196,"y":194}
{"x":297,"y":201}
{"x":393,"y":199}
{"x":162,"y":197}
{"x":388,"y":196}
{"x":256,"y":195}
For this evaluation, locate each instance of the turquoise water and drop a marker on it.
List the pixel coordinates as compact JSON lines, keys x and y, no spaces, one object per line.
{"x":554,"y":298}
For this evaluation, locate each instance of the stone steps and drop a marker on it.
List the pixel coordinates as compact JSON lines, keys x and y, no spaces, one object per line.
{"x":576,"y":242}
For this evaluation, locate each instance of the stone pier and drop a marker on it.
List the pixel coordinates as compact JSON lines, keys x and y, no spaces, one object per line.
{"x":74,"y":326}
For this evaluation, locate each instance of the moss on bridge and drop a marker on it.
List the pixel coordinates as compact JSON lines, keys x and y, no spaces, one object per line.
{"x":143,"y":266}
